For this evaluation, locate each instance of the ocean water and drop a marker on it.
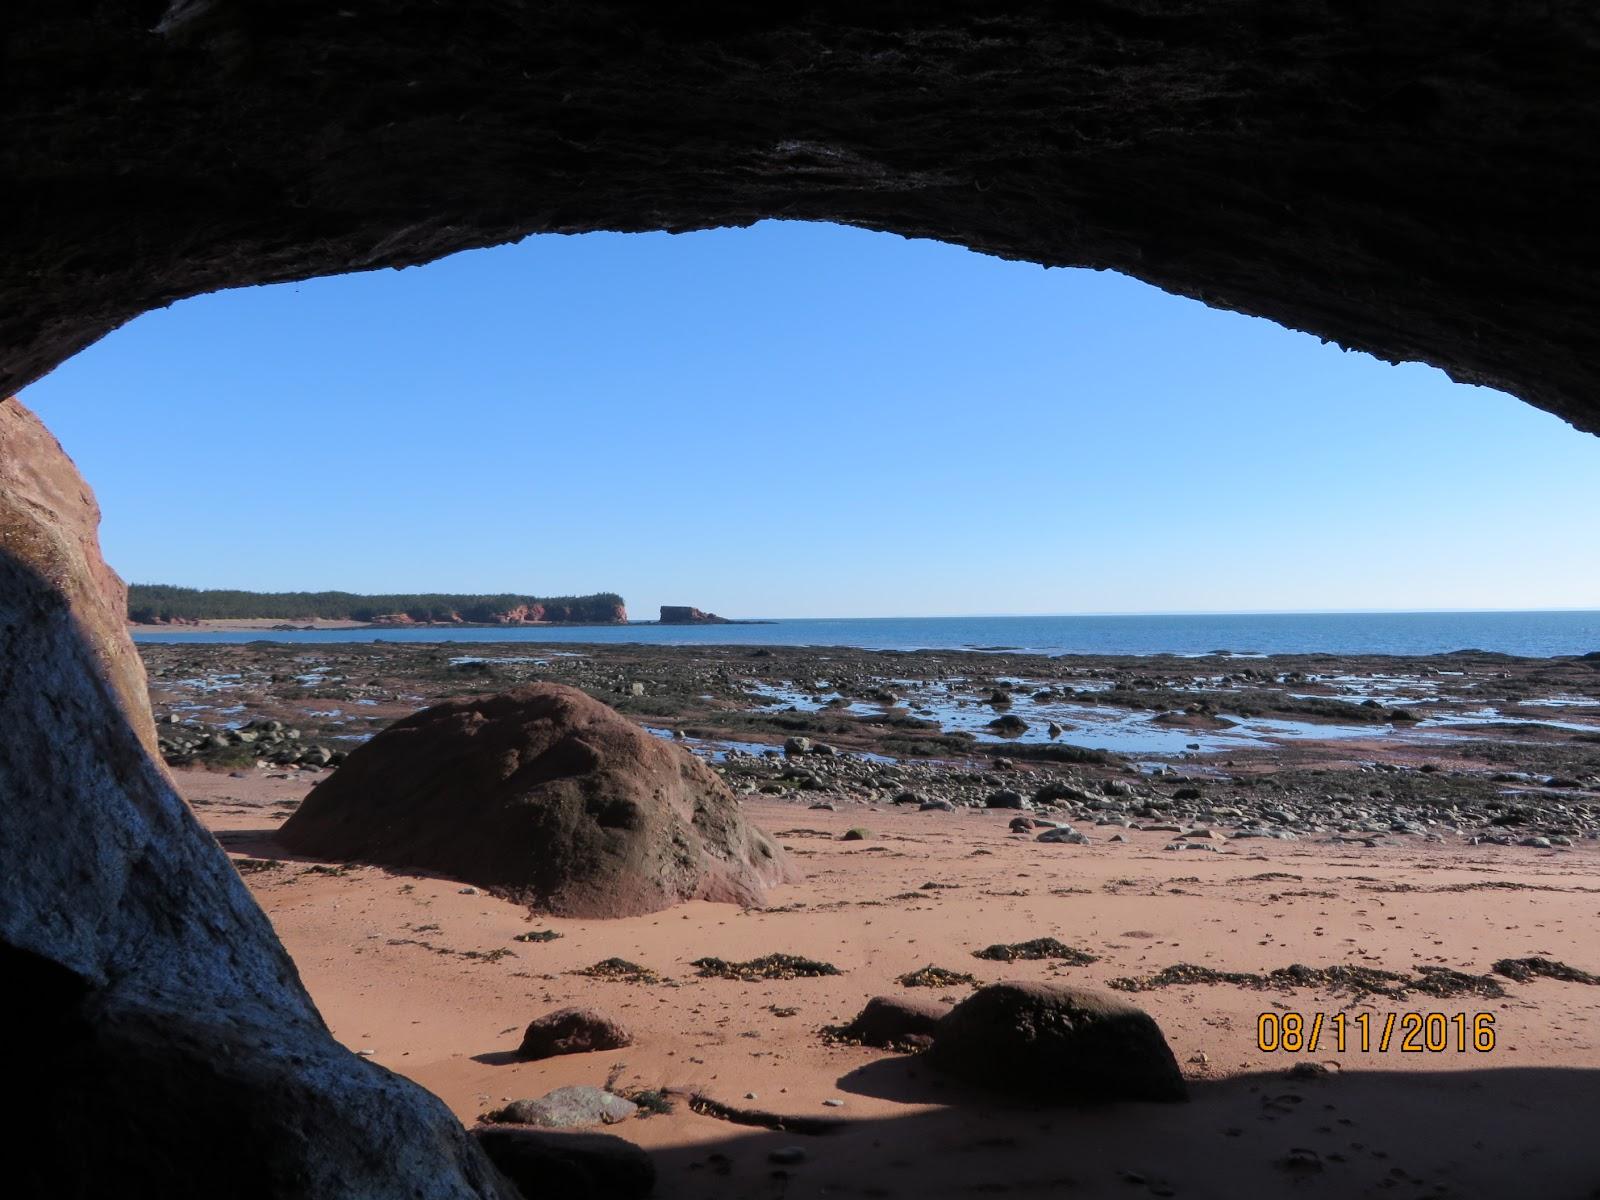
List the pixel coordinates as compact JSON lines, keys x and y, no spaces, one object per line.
{"x":1528,"y":634}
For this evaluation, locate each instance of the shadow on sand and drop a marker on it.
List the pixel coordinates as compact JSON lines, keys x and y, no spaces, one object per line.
{"x":1486,"y":1133}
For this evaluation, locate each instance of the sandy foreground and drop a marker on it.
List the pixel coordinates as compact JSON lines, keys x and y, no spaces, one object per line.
{"x":405,"y":969}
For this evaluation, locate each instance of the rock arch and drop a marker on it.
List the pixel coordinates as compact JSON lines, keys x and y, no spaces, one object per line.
{"x":1409,"y":179}
{"x":1415,"y":180}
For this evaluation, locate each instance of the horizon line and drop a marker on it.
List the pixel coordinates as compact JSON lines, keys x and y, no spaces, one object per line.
{"x":1207,"y":612}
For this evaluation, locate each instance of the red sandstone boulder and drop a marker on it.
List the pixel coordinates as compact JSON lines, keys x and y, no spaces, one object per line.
{"x":1044,"y":1040}
{"x":545,"y":796}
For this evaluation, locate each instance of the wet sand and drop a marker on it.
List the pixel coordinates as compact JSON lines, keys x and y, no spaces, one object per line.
{"x":428,"y":980}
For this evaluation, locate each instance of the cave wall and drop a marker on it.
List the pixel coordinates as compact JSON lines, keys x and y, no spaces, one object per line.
{"x":1414,"y":179}
{"x":50,"y":527}
{"x":162,"y":1043}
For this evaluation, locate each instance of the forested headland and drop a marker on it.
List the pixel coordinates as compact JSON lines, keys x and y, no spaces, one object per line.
{"x":153,"y":603}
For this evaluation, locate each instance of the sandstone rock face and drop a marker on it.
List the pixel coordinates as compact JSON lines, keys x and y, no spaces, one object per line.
{"x":1415,"y":180}
{"x":1043,"y":1040}
{"x":546,"y":796}
{"x":574,"y":614}
{"x":556,"y":613}
{"x":50,"y":525}
{"x":165,"y":1045}
{"x":522,"y":614}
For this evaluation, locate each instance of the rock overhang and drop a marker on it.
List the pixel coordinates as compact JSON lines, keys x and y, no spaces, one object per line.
{"x":1412,"y":181}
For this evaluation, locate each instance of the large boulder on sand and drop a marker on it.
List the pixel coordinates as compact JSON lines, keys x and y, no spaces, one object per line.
{"x":1044,"y":1040}
{"x":546,"y":796}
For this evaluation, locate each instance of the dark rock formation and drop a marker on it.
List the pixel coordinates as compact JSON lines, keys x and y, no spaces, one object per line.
{"x":892,"y":1022}
{"x":552,"y":1165}
{"x":572,"y":1031}
{"x":1009,"y":725}
{"x":546,"y":796}
{"x":682,"y":614}
{"x":1044,"y":1040}
{"x":164,"y":1045}
{"x":1413,"y":180}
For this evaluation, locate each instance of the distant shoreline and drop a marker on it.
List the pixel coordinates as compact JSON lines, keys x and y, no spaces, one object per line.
{"x":247,"y":624}
{"x":1535,"y":635}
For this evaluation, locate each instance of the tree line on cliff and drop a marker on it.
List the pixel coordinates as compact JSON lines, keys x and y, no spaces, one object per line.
{"x":150,"y":603}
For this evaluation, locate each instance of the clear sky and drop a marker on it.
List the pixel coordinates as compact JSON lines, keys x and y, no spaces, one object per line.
{"x":805,"y":420}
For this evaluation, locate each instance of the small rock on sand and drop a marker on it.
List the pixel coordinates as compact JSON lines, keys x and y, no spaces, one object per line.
{"x":1064,"y":834}
{"x":893,"y":1022}
{"x":1005,"y":798}
{"x":567,"y":1108}
{"x":572,"y":1031}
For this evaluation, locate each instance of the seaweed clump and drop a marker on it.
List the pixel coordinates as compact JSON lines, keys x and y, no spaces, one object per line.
{"x":932,"y":976}
{"x":1340,"y":978}
{"x":1044,"y":947}
{"x":772,"y":966}
{"x":619,"y":969}
{"x":1525,"y":970}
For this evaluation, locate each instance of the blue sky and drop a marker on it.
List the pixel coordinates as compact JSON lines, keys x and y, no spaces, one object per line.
{"x":806,"y":420}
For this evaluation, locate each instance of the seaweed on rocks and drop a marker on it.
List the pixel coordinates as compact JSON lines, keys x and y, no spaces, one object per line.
{"x":771,"y":966}
{"x":932,"y":976}
{"x":1037,"y":948}
{"x":1525,"y":970}
{"x":619,"y":969}
{"x":1340,"y":978}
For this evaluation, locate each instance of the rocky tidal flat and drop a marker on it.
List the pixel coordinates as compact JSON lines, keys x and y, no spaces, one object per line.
{"x":1213,"y":751}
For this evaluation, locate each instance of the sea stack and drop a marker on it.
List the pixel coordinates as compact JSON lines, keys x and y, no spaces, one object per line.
{"x":545,"y":796}
{"x":683,"y":614}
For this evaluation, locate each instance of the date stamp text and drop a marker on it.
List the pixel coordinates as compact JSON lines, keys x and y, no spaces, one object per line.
{"x":1364,"y":1033}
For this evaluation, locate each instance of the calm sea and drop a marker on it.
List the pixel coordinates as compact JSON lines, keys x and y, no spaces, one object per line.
{"x":1531,"y":634}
